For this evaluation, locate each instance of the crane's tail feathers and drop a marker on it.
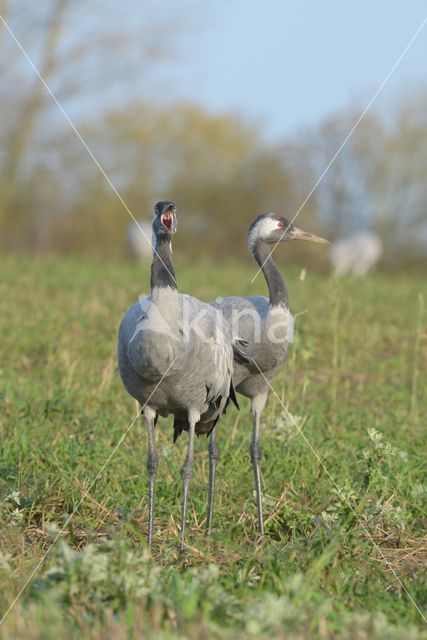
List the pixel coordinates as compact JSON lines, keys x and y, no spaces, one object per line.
{"x":178,"y":427}
{"x":239,"y":353}
{"x":201,"y":427}
{"x":210,"y":426}
{"x":204,"y":427}
{"x":232,"y":395}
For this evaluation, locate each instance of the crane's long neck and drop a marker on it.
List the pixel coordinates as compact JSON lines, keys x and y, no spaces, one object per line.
{"x":276,"y":286}
{"x":162,"y":271}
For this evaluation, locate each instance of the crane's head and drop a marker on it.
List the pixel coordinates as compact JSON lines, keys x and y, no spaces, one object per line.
{"x":164,"y":220}
{"x":271,"y":228}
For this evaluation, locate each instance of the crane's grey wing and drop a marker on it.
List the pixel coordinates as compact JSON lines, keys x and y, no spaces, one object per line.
{"x":245,"y":317}
{"x":130,"y":326}
{"x":244,"y":314}
{"x":214,"y":345}
{"x":263,"y":333}
{"x":211,"y":350}
{"x":147,"y":351}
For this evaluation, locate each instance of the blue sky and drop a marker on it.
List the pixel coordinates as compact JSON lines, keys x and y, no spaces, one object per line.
{"x":286,"y":65}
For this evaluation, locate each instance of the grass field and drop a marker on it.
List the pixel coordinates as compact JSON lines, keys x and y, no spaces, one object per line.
{"x":345,"y":552}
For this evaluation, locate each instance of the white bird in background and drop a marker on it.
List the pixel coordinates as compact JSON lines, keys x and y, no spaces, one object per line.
{"x":138,"y":240}
{"x":357,"y":254}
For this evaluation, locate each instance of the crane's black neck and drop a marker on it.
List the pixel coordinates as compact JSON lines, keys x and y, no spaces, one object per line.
{"x":162,"y":271}
{"x":276,"y":285}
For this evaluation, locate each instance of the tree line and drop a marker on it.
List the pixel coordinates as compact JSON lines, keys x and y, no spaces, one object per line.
{"x":219,"y":169}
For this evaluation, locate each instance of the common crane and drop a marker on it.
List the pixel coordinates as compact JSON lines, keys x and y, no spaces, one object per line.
{"x":175,"y":356}
{"x":137,"y":234}
{"x":357,"y":254}
{"x":266,"y":326}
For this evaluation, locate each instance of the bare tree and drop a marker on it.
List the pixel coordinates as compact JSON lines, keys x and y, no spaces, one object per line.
{"x":19,"y":136}
{"x":90,"y":54}
{"x":378,"y":180}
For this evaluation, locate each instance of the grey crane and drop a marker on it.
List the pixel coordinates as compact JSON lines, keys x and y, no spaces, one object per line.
{"x":266,"y":326}
{"x":175,"y":356}
{"x":357,"y":254}
{"x":137,"y":234}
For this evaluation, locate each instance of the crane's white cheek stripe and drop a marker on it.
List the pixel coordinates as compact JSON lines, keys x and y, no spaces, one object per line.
{"x":262,"y":230}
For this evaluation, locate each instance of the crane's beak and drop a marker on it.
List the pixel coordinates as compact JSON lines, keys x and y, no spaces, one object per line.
{"x":298,"y":234}
{"x":168,"y":218}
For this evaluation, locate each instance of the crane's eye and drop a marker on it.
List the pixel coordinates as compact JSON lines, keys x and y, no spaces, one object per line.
{"x":281,"y":225}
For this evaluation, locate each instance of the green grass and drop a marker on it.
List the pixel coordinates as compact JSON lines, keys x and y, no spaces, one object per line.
{"x":345,"y":540}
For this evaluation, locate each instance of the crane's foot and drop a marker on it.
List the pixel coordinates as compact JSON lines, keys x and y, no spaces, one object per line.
{"x":259,"y":540}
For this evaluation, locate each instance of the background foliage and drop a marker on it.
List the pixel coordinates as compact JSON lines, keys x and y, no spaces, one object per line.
{"x":218,"y":168}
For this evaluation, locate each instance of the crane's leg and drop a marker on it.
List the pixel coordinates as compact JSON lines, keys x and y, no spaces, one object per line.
{"x":187,"y":470}
{"x":152,"y":465}
{"x":258,"y":404}
{"x":213,"y":458}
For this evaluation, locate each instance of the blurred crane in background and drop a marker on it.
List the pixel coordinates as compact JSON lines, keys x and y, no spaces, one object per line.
{"x":138,"y":235}
{"x":357,"y":254}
